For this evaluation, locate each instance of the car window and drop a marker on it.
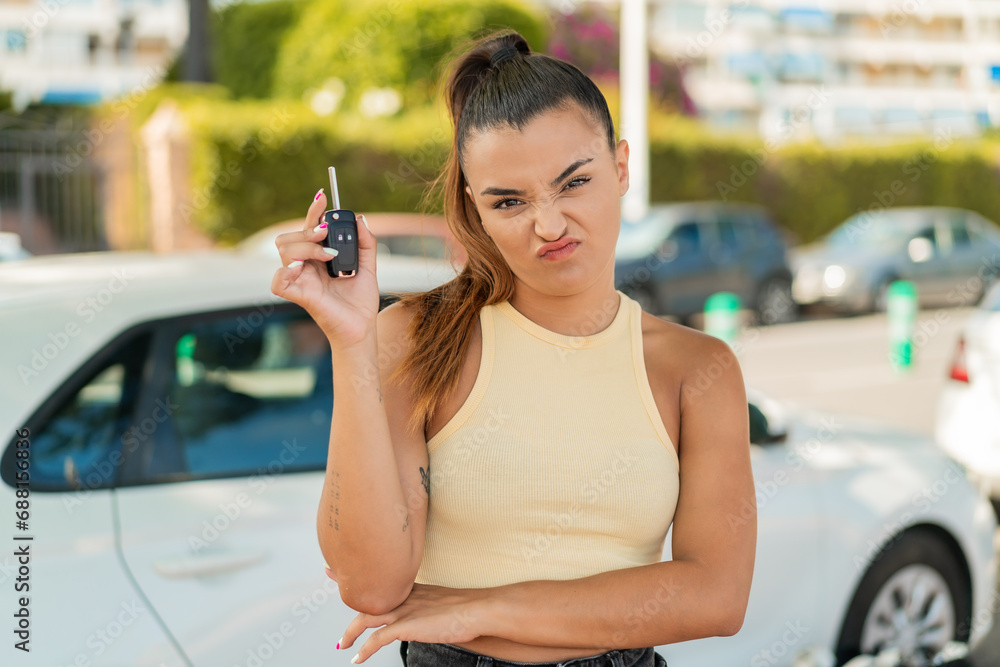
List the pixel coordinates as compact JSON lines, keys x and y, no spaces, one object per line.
{"x":873,"y":229}
{"x":252,"y":392}
{"x":79,"y":445}
{"x":415,"y":245}
{"x":927,"y":233}
{"x":729,"y":237}
{"x":959,"y":235}
{"x":687,"y":236}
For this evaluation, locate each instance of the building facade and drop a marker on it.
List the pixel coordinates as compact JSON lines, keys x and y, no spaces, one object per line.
{"x":85,"y":51}
{"x":837,"y":68}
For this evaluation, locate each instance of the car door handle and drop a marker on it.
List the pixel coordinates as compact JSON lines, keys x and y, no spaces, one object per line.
{"x":208,"y":564}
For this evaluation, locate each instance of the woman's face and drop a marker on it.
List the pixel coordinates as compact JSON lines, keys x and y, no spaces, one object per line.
{"x":556,"y":180}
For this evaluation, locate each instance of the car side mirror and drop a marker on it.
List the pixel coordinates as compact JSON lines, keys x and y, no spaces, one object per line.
{"x":760,"y":431}
{"x":920,"y":249}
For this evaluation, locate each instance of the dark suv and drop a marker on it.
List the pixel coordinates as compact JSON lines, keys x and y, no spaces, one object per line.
{"x":673,"y":259}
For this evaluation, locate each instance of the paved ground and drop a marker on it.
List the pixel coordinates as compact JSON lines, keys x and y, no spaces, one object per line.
{"x":841,"y":365}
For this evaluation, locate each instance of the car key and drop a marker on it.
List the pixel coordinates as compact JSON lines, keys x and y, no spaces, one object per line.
{"x":342,"y":234}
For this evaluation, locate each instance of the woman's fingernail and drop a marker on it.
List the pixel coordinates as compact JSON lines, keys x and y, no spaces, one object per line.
{"x":320,"y":226}
{"x":338,"y":644}
{"x":318,"y":193}
{"x":292,"y":265}
{"x":365,"y":220}
{"x":331,"y":251}
{"x":354,"y":660}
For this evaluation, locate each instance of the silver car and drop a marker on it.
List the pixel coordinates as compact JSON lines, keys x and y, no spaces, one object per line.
{"x":951,"y":254}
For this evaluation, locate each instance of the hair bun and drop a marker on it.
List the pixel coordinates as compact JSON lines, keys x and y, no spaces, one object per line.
{"x":505,"y":52}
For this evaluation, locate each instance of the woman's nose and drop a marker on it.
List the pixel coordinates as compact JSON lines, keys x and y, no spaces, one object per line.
{"x":550,"y":224}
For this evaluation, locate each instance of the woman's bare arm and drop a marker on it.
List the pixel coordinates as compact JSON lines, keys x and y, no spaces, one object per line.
{"x":373,"y":509}
{"x":702,"y":592}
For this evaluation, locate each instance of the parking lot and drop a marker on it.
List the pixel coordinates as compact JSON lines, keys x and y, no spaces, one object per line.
{"x":841,"y":365}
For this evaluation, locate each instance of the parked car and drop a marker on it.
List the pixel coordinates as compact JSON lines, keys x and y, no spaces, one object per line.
{"x":11,"y":248}
{"x":967,"y":424}
{"x":409,"y":234}
{"x":178,"y":417}
{"x":679,"y":254}
{"x":869,"y":538}
{"x":940,"y":249}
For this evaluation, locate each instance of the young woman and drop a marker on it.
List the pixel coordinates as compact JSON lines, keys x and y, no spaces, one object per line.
{"x":503,"y":497}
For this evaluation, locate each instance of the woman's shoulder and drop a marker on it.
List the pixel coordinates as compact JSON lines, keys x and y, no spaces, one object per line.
{"x":681,"y":351}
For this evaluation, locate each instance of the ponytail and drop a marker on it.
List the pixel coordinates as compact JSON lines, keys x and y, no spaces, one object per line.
{"x":495,"y":82}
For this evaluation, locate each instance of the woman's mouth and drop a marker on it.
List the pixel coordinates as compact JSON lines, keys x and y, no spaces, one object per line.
{"x":565,"y":251}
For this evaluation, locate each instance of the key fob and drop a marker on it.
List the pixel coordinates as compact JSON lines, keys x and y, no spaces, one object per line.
{"x":342,"y":234}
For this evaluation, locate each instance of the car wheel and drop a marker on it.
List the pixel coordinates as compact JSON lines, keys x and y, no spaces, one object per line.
{"x":914,"y":598}
{"x":775,"y":304}
{"x":880,"y":297}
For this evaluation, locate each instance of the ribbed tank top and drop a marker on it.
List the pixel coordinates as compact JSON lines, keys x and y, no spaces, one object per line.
{"x":557,"y":466}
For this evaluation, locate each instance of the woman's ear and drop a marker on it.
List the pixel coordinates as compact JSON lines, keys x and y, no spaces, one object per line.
{"x":621,"y":162}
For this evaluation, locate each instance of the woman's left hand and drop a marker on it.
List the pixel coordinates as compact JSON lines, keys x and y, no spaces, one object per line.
{"x":434,"y":614}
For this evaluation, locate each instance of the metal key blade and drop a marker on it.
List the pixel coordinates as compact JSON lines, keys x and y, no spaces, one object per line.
{"x":333,"y":189}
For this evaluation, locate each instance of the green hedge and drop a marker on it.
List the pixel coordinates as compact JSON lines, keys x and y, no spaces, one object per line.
{"x":811,"y":188}
{"x":254,"y":164}
{"x":258,"y":162}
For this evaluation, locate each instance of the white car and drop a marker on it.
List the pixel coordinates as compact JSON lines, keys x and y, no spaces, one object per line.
{"x":868,"y":539}
{"x":177,"y":417}
{"x":968,"y":416}
{"x":11,"y":248}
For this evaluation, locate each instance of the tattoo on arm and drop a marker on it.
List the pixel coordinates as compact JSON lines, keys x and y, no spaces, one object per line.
{"x":406,"y":523}
{"x":425,"y":479}
{"x":380,"y":393}
{"x":333,"y":492}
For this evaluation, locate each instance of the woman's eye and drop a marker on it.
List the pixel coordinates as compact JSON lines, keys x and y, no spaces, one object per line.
{"x":580,"y":181}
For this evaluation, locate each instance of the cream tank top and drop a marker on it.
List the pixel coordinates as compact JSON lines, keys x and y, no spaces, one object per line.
{"x":557,"y":466}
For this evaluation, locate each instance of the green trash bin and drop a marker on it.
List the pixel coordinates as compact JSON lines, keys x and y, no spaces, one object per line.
{"x":901,"y":309}
{"x":722,"y":316}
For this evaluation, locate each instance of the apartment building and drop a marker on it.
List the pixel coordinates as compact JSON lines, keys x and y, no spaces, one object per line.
{"x":84,"y":51}
{"x":837,"y":68}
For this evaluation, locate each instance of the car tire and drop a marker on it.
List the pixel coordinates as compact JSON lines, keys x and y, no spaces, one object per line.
{"x":918,"y":562}
{"x":774,"y":303}
{"x":880,"y":297}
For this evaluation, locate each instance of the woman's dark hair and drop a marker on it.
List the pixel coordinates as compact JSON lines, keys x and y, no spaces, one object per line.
{"x":495,"y":82}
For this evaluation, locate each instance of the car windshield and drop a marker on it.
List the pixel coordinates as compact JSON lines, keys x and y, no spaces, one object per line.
{"x":638,"y":239}
{"x":874,"y":230}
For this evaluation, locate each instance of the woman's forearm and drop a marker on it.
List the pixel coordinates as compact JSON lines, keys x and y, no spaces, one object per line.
{"x":648,"y":605}
{"x":359,"y":523}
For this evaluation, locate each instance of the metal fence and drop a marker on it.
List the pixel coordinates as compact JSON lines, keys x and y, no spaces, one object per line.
{"x":52,"y":189}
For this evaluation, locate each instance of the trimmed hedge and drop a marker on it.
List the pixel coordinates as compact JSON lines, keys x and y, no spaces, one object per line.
{"x":258,"y":162}
{"x":254,"y":164}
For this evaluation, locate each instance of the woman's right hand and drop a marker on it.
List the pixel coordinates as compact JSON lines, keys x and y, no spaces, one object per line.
{"x":345,"y":308}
